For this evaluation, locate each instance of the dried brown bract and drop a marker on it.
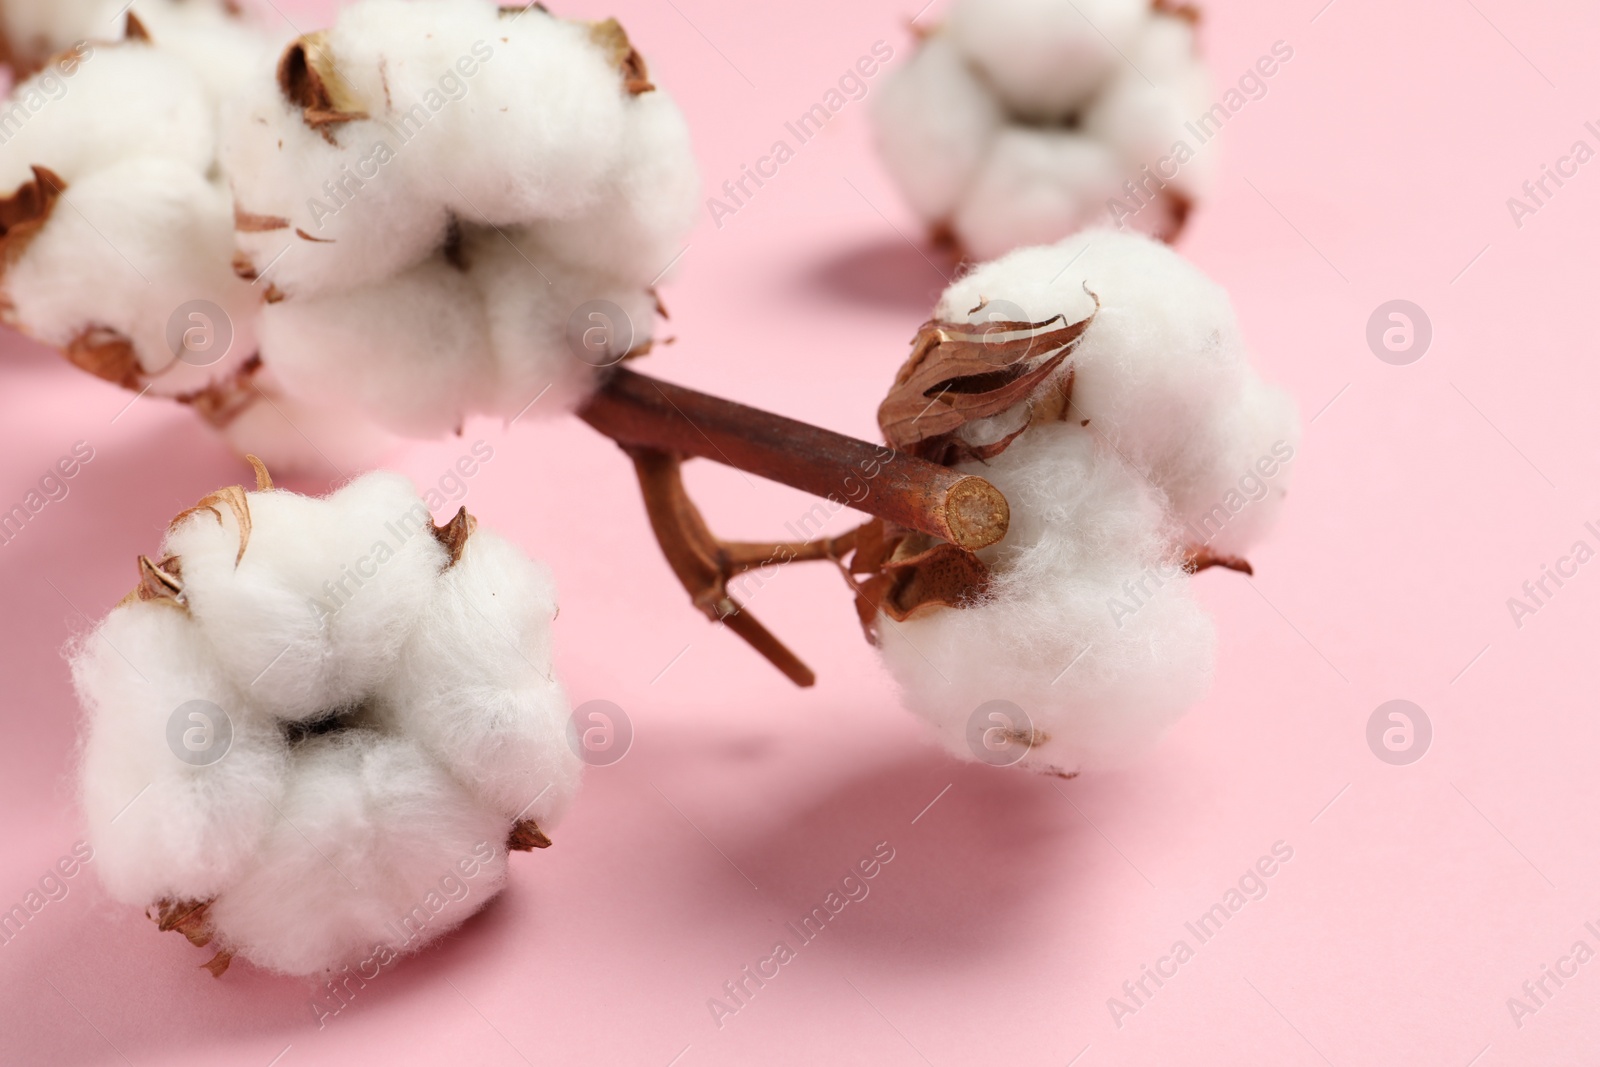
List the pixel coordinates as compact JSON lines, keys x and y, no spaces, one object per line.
{"x":901,"y":572}
{"x":310,"y":80}
{"x":106,"y":354}
{"x":961,"y":372}
{"x":24,"y":213}
{"x":614,"y":39}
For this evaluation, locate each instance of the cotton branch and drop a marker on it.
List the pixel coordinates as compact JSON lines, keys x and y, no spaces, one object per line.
{"x":660,"y":424}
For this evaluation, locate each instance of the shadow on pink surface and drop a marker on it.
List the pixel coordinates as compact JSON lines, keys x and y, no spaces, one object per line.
{"x":890,"y":273}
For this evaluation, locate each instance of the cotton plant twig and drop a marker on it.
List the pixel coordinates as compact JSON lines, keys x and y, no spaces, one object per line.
{"x":634,"y":409}
{"x":660,"y":425}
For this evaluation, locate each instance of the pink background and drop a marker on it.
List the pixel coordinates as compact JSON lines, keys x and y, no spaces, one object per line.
{"x":1418,"y":899}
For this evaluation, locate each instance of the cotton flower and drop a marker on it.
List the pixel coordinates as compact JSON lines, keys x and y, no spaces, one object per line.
{"x":463,"y":208}
{"x":1018,"y":122}
{"x":115,"y":225}
{"x":34,"y":31}
{"x":433,"y":209}
{"x":311,"y":714}
{"x":1102,"y":385}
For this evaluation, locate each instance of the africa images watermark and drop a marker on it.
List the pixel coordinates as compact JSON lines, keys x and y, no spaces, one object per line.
{"x":851,"y":86}
{"x":752,"y":978}
{"x":41,"y":90}
{"x":453,"y":886}
{"x":1146,"y":189}
{"x":855,"y":488}
{"x":340,"y":590}
{"x":53,"y":887}
{"x":1537,"y":592}
{"x":1536,"y":992}
{"x":1251,"y":885}
{"x":1253,"y":487}
{"x":52,"y":488}
{"x":342,"y":189}
{"x":1537,"y":192}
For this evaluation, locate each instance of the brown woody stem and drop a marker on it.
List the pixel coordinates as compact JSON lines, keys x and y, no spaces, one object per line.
{"x":699,"y":559}
{"x":635,"y":410}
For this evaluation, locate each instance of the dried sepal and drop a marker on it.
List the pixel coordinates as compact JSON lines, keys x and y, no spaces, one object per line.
{"x":902,"y":573}
{"x":1179,"y":207}
{"x":610,"y":35}
{"x":243,"y":266}
{"x":453,"y":534}
{"x":218,"y":964}
{"x":1199,"y":559}
{"x":133,"y":29}
{"x":25,"y":211}
{"x":961,"y":372}
{"x":234,"y":497}
{"x":263,"y":478}
{"x":1182,"y":9}
{"x":160,"y":581}
{"x":106,"y":354}
{"x":1029,"y":738}
{"x":250,"y":222}
{"x":189,"y":917}
{"x":526,"y":836}
{"x":223,"y":401}
{"x":310,"y":80}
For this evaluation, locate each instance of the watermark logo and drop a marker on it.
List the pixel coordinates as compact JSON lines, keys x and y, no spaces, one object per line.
{"x":1399,"y":732}
{"x":199,"y":333}
{"x":998,"y":323}
{"x":199,"y":733}
{"x":600,"y":333}
{"x":599,"y":732}
{"x":999,"y":733}
{"x":1399,"y":332}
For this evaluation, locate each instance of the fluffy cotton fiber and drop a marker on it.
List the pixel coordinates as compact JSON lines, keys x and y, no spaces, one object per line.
{"x":33,"y":31}
{"x":440,"y":192}
{"x":1170,"y":451}
{"x":118,"y":233}
{"x":393,"y":717}
{"x":434,"y":209}
{"x":1019,"y":122}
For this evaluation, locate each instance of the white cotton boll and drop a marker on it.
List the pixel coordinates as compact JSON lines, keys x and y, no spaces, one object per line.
{"x":536,"y":131}
{"x":531,"y":302}
{"x":475,"y":686}
{"x":1259,"y":452}
{"x":299,"y":435}
{"x":636,"y":230}
{"x":124,"y":101}
{"x":1162,"y":372}
{"x":382,"y":760}
{"x":141,"y":249}
{"x":310,"y":618}
{"x":475,"y":176}
{"x":1142,"y":111}
{"x":1035,"y":185}
{"x":36,"y":29}
{"x":318,"y":216}
{"x":935,"y":121}
{"x":410,"y":352}
{"x":1097,"y":682}
{"x":1046,"y":57}
{"x":1021,"y":121}
{"x":368,"y":854}
{"x":160,"y":827}
{"x":224,"y":49}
